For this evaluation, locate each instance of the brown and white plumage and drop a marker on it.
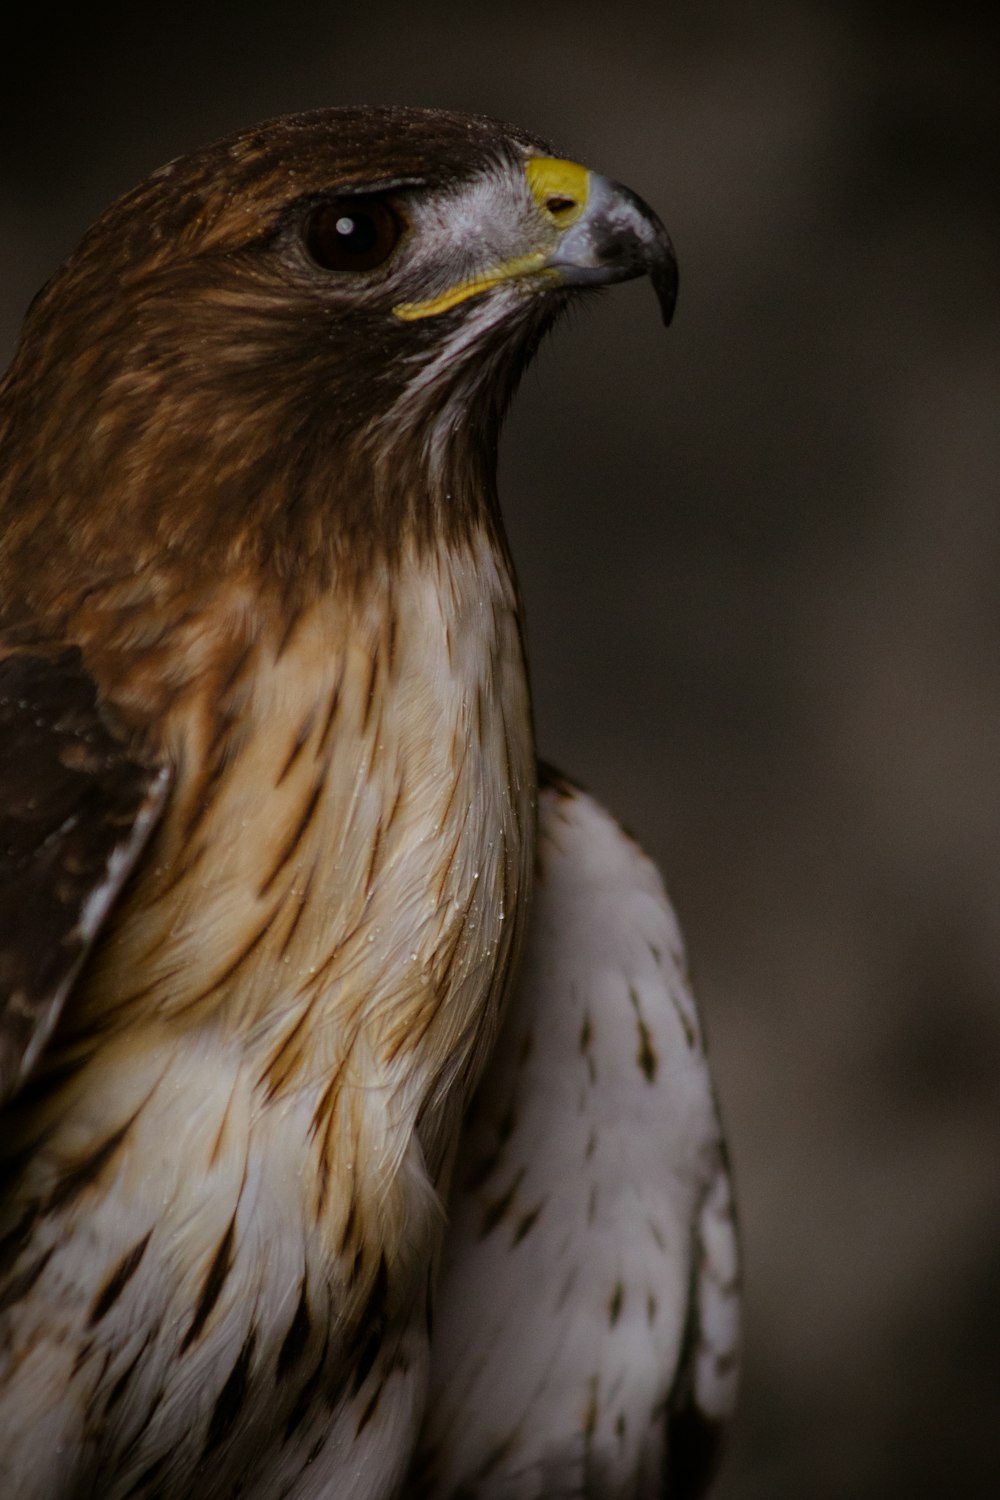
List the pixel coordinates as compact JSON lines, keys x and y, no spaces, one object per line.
{"x":270,"y":811}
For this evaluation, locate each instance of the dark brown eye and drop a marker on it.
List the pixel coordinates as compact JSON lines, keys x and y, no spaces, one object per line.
{"x":351,"y":234}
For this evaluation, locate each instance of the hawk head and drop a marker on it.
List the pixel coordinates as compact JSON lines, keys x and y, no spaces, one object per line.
{"x":287,"y":350}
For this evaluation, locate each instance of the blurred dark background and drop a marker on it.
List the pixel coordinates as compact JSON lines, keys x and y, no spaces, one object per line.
{"x":760,"y":557}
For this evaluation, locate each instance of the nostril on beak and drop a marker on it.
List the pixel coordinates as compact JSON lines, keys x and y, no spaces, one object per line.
{"x":560,"y":207}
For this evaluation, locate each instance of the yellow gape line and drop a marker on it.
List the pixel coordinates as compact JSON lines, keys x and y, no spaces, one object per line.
{"x":522,"y":265}
{"x":560,"y":188}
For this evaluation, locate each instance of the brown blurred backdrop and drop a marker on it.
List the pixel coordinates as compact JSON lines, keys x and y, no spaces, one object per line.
{"x":760,"y":557}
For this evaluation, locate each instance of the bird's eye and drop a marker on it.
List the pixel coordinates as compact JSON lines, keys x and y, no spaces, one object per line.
{"x":351,"y":234}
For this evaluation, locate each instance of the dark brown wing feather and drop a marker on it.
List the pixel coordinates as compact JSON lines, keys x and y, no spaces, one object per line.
{"x":76,"y":808}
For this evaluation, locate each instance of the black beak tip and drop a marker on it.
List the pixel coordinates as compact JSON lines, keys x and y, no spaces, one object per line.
{"x":663,"y":275}
{"x":655,"y":250}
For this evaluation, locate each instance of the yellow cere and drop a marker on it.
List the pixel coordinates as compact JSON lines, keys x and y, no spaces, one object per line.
{"x":560,"y":188}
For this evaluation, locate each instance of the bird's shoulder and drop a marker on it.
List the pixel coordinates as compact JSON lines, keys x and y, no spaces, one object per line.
{"x":77,"y":804}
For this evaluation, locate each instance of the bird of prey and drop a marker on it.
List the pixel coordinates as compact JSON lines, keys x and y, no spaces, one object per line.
{"x":281,"y":883}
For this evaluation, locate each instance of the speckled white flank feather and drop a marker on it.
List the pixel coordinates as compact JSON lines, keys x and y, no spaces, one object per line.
{"x":592,"y":1249}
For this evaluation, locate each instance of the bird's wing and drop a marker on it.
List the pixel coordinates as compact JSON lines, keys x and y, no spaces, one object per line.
{"x":76,"y":808}
{"x":588,"y":1313}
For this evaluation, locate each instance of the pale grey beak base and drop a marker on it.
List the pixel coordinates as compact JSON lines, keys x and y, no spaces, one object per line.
{"x":616,"y":238}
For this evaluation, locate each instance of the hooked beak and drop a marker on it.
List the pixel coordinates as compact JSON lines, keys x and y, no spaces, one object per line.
{"x":614,"y":236}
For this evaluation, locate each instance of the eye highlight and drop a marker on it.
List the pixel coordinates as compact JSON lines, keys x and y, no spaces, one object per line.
{"x":351,"y":234}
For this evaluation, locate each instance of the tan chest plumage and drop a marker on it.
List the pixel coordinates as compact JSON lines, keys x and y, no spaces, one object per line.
{"x":296,"y":998}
